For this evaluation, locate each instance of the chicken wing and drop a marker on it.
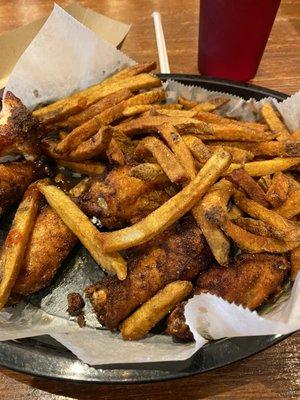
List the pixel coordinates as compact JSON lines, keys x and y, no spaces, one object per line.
{"x":49,"y":244}
{"x":177,"y":254}
{"x":248,"y":281}
{"x":121,"y":199}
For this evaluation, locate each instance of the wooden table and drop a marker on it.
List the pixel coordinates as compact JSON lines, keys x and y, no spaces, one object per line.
{"x":272,"y":374}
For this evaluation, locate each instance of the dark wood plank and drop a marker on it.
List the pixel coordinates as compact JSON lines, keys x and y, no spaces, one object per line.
{"x":272,"y":374}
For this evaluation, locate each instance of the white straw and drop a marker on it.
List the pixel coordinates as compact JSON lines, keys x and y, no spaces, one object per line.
{"x":161,"y":44}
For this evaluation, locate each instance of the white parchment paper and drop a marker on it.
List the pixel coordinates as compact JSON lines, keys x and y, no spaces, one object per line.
{"x":64,"y":57}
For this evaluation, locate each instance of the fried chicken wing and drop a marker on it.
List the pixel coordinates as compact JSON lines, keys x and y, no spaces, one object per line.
{"x":248,"y":281}
{"x":49,"y":244}
{"x":121,"y":199}
{"x":177,"y":254}
{"x":18,"y":129}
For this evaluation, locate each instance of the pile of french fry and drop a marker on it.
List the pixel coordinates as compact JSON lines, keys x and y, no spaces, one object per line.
{"x":238,"y":179}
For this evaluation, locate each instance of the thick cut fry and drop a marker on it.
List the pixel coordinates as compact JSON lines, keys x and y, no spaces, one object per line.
{"x":291,"y":207}
{"x":150,"y":313}
{"x":81,"y":226}
{"x":289,"y":230}
{"x":89,"y":168}
{"x":238,"y":155}
{"x":258,"y":227}
{"x":172,"y":210}
{"x":248,"y":241}
{"x":295,"y":262}
{"x":165,"y":158}
{"x":179,"y":148}
{"x":217,"y":197}
{"x":64,"y":108}
{"x":114,"y":153}
{"x":265,"y":182}
{"x":275,"y":124}
{"x":199,"y":150}
{"x":89,"y":128}
{"x":16,"y":241}
{"x":266,"y":167}
{"x":235,"y":212}
{"x":149,"y":172}
{"x":278,"y":190}
{"x":243,"y":180}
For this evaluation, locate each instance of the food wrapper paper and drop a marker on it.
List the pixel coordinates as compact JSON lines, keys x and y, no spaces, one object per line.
{"x":64,"y":57}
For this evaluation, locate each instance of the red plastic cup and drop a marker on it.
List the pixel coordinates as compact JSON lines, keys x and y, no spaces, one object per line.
{"x":233,"y":35}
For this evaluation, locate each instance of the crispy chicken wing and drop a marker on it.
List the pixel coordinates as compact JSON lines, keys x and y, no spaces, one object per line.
{"x":121,"y":199}
{"x":176,"y":254}
{"x":49,"y":244}
{"x":248,"y":281}
{"x":18,"y":129}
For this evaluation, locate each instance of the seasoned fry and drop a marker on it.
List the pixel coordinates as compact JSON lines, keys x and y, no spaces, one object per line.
{"x":257,"y":227}
{"x":241,"y":179}
{"x":289,"y":230}
{"x":212,"y":104}
{"x":170,"y":211}
{"x":238,"y":155}
{"x":87,"y":168}
{"x":16,"y":241}
{"x":114,"y":153}
{"x":266,"y":167}
{"x":134,"y":110}
{"x":179,"y":148}
{"x":86,"y":232}
{"x":165,"y":158}
{"x":176,"y":113}
{"x":131,"y":71}
{"x":265,"y":182}
{"x":291,"y":206}
{"x":295,"y":262}
{"x":199,"y":150}
{"x":235,"y":212}
{"x":149,"y":172}
{"x":217,"y":197}
{"x":275,"y":124}
{"x":187,"y":104}
{"x":150,"y":313}
{"x":64,"y":108}
{"x":278,"y":190}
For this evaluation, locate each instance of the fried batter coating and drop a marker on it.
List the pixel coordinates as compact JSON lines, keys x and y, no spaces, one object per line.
{"x":121,"y":199}
{"x":49,"y":244}
{"x":176,"y":254}
{"x":248,"y":281}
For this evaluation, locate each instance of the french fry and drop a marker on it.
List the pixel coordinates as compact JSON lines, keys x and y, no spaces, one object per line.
{"x":89,"y":128}
{"x":274,"y":122}
{"x":150,"y":313}
{"x":296,"y":135}
{"x":241,"y":179}
{"x":16,"y":241}
{"x":235,"y":212}
{"x":64,"y":108}
{"x":80,"y":188}
{"x":240,"y":156}
{"x":267,"y":167}
{"x":87,"y":168}
{"x":278,"y":190}
{"x":186,"y":103}
{"x":149,"y":172}
{"x":81,"y":226}
{"x":179,"y":148}
{"x":295,"y":262}
{"x":114,"y":153}
{"x":135,"y":110}
{"x":164,"y":216}
{"x":165,"y":158}
{"x":257,"y":227}
{"x":248,"y":241}
{"x":168,"y":106}
{"x":199,"y":150}
{"x":288,"y":229}
{"x":176,"y":113}
{"x":211,"y":105}
{"x":291,"y":207}
{"x":131,"y":71}
{"x":265,"y":182}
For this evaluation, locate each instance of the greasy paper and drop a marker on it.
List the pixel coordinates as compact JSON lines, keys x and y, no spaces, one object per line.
{"x":13,"y":43}
{"x":54,"y":71}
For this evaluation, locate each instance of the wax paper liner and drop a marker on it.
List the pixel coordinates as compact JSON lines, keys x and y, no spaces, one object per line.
{"x":65,"y":56}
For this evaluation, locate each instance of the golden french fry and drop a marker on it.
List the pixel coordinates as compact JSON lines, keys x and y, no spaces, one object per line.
{"x":211,"y":105}
{"x":16,"y":242}
{"x":165,"y":158}
{"x":291,"y":206}
{"x":131,"y":71}
{"x":172,"y":210}
{"x":258,"y":227}
{"x":241,"y":179}
{"x":150,"y":313}
{"x":288,"y":229}
{"x":274,"y":122}
{"x":114,"y":153}
{"x":265,"y":182}
{"x":149,"y":172}
{"x":278,"y":190}
{"x":199,"y":150}
{"x":176,"y":113}
{"x":239,"y":156}
{"x":90,"y":168}
{"x":168,"y":106}
{"x":179,"y":148}
{"x":235,"y":212}
{"x":64,"y":108}
{"x":295,"y":262}
{"x":187,"y":104}
{"x":135,"y":110}
{"x":266,"y":167}
{"x":81,"y":226}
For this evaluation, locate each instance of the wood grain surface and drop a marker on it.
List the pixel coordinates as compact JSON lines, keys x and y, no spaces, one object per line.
{"x":272,"y":374}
